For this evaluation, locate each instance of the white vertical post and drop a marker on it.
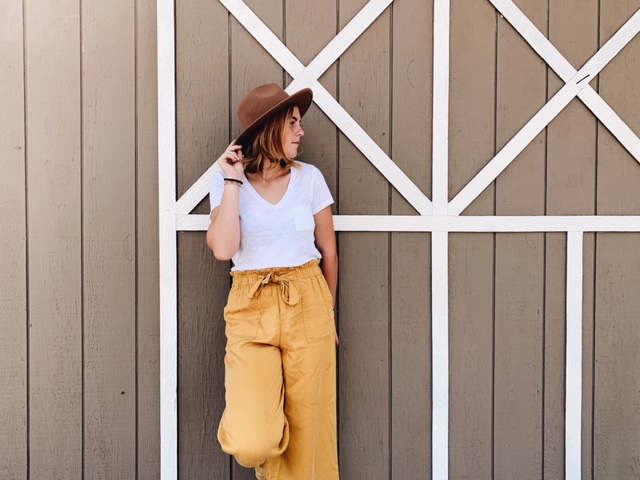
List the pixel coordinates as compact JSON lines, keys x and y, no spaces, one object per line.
{"x":168,"y":253}
{"x":573,"y":407}
{"x":440,"y":139}
{"x":440,"y":354}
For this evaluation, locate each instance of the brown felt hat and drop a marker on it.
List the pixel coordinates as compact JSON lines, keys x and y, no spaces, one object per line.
{"x":262,"y":102}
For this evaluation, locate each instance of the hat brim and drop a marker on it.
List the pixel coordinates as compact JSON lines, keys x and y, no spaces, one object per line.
{"x":302,"y":99}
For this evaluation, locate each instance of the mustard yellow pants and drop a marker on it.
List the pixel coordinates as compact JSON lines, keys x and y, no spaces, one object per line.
{"x":280,"y":374}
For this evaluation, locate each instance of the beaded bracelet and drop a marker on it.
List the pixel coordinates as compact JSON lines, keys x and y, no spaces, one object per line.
{"x":233,"y":181}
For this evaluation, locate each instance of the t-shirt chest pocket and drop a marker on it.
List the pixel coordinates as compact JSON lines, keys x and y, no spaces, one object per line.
{"x":303,"y":218}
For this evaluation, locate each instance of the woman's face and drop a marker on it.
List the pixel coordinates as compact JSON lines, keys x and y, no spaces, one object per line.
{"x":292,"y":133}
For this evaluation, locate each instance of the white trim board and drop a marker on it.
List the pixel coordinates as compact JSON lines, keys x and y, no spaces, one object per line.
{"x":440,"y":122}
{"x":453,"y":223}
{"x":440,"y":218}
{"x":573,"y":380}
{"x":168,"y":244}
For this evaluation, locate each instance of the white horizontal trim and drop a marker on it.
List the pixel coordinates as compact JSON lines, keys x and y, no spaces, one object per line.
{"x":455,"y":223}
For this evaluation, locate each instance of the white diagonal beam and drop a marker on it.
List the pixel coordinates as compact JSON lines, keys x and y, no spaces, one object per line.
{"x":544,"y":116}
{"x":340,"y":43}
{"x":550,"y":54}
{"x":322,"y":98}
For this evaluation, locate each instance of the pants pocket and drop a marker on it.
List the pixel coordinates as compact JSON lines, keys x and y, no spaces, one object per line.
{"x":317,"y":309}
{"x":242,"y":317}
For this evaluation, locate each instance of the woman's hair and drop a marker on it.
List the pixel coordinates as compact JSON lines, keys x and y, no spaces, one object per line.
{"x":265,"y":146}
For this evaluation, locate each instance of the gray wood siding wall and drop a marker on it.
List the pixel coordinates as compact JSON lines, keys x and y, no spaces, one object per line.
{"x":79,"y":371}
{"x":79,"y":375}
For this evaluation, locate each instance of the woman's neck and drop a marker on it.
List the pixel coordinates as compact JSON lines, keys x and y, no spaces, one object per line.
{"x":270,"y":171}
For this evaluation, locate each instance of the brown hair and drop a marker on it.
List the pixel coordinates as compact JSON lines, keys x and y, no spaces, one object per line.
{"x":265,"y":146}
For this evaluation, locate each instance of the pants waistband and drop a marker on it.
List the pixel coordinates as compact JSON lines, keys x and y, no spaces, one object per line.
{"x":282,"y":276}
{"x":306,"y":270}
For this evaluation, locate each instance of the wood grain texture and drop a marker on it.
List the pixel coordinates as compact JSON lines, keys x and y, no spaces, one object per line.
{"x":410,"y":274}
{"x":471,"y":256}
{"x":555,"y":321}
{"x":109,"y":238}
{"x":616,"y":379}
{"x":617,"y":363}
{"x":53,"y":183}
{"x":364,"y":292}
{"x":148,"y":308}
{"x":203,"y":283}
{"x":519,"y":263}
{"x":13,"y":249}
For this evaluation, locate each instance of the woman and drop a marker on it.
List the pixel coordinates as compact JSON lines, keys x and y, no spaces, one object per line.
{"x":272,"y":216}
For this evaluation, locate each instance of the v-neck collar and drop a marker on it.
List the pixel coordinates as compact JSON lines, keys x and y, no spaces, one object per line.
{"x":292,"y":172}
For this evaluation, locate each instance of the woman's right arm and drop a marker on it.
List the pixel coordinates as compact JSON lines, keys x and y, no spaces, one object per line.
{"x":223,"y":235}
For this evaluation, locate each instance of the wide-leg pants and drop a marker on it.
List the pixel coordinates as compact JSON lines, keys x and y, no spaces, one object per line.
{"x":280,"y":374}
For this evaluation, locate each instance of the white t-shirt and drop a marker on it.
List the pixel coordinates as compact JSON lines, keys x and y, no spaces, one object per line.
{"x":280,"y":235}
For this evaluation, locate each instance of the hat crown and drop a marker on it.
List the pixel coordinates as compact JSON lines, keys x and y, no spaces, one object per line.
{"x":259,"y":101}
{"x":264,"y":101}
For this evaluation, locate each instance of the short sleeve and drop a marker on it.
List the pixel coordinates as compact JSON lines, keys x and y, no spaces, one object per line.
{"x":216,"y":191}
{"x":321,"y":195}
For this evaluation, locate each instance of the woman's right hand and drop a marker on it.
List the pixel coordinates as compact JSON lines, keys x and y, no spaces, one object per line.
{"x":231,"y":161}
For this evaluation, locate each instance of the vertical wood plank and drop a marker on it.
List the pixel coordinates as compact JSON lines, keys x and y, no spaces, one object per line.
{"x":203,"y":283}
{"x":148,"y":311}
{"x":52,"y":64}
{"x":109,"y":242}
{"x":471,"y":281}
{"x":571,"y":171}
{"x":411,"y":266}
{"x":364,"y":381}
{"x":617,"y":363}
{"x":555,"y":351}
{"x":13,"y":249}
{"x":519,"y":267}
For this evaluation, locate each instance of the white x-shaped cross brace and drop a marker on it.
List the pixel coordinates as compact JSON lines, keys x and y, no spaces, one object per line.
{"x":576,"y":84}
{"x":308,"y":77}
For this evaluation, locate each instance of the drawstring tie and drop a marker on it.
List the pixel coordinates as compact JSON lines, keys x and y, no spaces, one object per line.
{"x":289,"y":292}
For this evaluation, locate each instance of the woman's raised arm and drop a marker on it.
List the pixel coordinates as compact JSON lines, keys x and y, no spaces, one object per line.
{"x":223,"y":235}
